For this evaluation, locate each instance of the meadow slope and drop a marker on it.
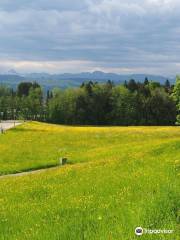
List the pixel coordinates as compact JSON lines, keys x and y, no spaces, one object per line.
{"x":117,"y":178}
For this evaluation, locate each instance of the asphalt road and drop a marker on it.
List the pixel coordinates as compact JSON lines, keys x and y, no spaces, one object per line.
{"x":5,"y":125}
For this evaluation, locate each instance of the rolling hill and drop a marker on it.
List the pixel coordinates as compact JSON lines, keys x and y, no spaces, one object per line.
{"x":116,"y":179}
{"x":49,"y":81}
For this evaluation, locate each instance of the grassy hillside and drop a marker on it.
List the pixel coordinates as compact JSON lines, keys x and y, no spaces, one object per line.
{"x":118,"y":178}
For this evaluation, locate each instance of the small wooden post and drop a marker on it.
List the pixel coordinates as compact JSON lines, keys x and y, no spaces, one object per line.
{"x":62,"y":161}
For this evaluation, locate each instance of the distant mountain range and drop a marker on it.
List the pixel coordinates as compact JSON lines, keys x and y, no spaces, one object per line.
{"x":49,"y":81}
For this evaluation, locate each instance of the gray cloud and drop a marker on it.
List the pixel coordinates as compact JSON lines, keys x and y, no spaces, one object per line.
{"x":126,"y":35}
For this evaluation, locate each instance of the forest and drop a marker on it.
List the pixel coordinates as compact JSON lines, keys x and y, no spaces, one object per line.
{"x":132,"y":103}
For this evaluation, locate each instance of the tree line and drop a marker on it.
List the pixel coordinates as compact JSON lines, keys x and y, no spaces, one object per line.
{"x":131,"y":103}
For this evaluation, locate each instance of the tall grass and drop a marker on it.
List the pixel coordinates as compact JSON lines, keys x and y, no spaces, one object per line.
{"x":118,"y":179}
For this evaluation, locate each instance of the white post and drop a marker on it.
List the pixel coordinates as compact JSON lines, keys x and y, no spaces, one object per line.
{"x":1,"y":122}
{"x":14,"y":117}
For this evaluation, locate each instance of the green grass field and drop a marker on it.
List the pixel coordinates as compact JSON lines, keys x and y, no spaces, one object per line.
{"x":117,"y":178}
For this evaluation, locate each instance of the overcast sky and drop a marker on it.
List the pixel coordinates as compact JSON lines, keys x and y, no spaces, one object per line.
{"x":122,"y":36}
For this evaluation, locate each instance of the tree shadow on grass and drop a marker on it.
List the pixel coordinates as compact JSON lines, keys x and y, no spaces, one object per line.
{"x":26,"y":130}
{"x":36,"y":168}
{"x":29,"y":169}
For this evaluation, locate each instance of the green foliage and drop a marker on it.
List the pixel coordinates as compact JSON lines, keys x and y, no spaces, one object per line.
{"x":133,"y":103}
{"x":154,"y":85}
{"x":146,"y":81}
{"x":124,"y":106}
{"x":62,"y":107}
{"x":25,"y":87}
{"x":106,"y":104}
{"x":176,"y":97}
{"x":162,"y":108}
{"x":34,"y":101}
{"x":26,"y":103}
{"x":167,"y":84}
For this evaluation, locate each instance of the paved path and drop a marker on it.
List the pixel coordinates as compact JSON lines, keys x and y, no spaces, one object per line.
{"x":5,"y":125}
{"x":29,"y":172}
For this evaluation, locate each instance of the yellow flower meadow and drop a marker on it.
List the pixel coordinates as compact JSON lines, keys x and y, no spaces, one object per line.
{"x":115,"y":179}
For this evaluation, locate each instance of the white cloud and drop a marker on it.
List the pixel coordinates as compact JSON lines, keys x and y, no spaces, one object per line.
{"x":49,"y":66}
{"x":124,"y":35}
